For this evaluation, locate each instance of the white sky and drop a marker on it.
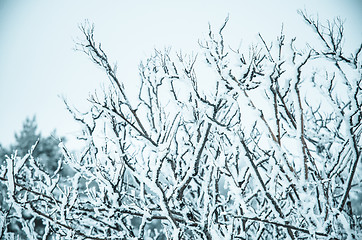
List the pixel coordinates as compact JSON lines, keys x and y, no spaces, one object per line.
{"x":37,"y":61}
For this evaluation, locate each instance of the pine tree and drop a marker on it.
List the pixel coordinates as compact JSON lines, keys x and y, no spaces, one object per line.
{"x":47,"y":151}
{"x":27,"y":137}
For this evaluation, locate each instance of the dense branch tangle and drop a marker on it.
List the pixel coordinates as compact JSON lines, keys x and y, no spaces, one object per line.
{"x":270,"y":149}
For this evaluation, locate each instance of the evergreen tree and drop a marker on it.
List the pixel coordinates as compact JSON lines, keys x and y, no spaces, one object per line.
{"x":47,"y":151}
{"x":47,"y":155}
{"x":27,"y":137}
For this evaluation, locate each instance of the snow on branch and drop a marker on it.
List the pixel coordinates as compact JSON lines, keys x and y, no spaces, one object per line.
{"x":270,"y":148}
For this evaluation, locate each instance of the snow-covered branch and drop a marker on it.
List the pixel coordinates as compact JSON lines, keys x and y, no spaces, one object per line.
{"x":270,"y":148}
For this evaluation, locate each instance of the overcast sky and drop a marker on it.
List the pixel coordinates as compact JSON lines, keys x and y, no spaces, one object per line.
{"x":38,"y":63}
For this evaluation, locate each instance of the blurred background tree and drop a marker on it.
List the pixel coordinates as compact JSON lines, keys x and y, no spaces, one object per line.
{"x":47,"y":153}
{"x":27,"y":136}
{"x":47,"y":150}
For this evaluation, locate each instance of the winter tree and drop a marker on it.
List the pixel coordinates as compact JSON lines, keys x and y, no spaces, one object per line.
{"x":47,"y":150}
{"x":269,"y":149}
{"x":47,"y":155}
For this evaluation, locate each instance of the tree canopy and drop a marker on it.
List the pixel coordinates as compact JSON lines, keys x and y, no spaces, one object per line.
{"x":269,"y":148}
